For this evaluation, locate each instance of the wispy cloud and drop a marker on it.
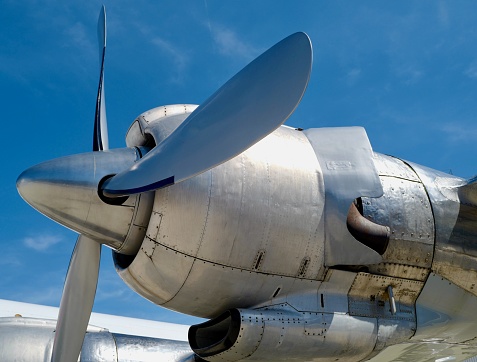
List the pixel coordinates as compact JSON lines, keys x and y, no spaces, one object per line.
{"x":458,"y":132}
{"x":79,"y":37}
{"x":471,"y":70}
{"x":353,"y":76}
{"x":229,"y":44}
{"x":11,"y":261}
{"x":443,"y":14}
{"x":50,"y":295}
{"x":41,"y":242}
{"x":177,"y":56}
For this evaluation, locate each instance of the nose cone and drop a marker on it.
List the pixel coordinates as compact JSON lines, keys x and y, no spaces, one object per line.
{"x":60,"y":189}
{"x":66,"y":190}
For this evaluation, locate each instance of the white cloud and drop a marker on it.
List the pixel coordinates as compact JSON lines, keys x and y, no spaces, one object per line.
{"x":41,"y":242}
{"x":176,"y":55}
{"x":230,"y":44}
{"x":459,"y":132}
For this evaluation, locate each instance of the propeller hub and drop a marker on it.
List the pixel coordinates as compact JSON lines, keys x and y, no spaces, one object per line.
{"x":66,"y":190}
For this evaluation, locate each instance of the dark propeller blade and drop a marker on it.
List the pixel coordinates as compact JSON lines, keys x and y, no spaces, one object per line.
{"x":100,"y":136}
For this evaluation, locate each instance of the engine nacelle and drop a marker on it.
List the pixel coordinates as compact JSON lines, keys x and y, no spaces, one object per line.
{"x":282,"y":335}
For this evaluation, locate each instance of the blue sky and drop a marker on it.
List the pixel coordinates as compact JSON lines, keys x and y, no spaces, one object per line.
{"x":405,"y":70}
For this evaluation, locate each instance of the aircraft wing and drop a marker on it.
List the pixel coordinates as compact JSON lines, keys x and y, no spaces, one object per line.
{"x":432,"y":351}
{"x":27,"y":331}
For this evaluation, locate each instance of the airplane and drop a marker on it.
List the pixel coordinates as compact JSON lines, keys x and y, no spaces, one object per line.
{"x":296,"y":244}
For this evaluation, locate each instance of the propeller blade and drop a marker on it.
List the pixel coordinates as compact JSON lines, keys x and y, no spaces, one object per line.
{"x":100,"y":136}
{"x":252,"y":104}
{"x":82,"y":277}
{"x":77,"y":300}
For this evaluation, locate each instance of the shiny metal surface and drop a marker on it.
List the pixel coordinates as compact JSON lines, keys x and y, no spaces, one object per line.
{"x":66,"y":190}
{"x":281,"y":334}
{"x":247,"y":108}
{"x":455,"y":248}
{"x":157,"y":123}
{"x":446,"y":312}
{"x":314,"y":250}
{"x":232,"y":213}
{"x":406,"y":209}
{"x":77,"y":300}
{"x":348,"y":173}
{"x":31,"y":340}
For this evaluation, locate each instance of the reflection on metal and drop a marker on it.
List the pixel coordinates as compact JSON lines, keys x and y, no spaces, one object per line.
{"x":281,"y":334}
{"x":30,"y":340}
{"x":445,"y":312}
{"x":157,"y":123}
{"x":349,"y":172}
{"x":455,"y":249}
{"x":406,"y":209}
{"x":261,"y":230}
{"x":237,"y":225}
{"x":66,"y":190}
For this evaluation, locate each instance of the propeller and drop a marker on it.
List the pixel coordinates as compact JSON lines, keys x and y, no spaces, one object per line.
{"x":252,"y":104}
{"x":82,"y":277}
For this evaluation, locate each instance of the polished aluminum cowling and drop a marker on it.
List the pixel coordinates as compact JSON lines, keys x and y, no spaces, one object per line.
{"x":67,"y":190}
{"x":282,"y":335}
{"x":256,"y":224}
{"x":252,"y":225}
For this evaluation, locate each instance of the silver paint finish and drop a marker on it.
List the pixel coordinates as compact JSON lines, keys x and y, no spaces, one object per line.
{"x":349,"y":172}
{"x":31,"y":340}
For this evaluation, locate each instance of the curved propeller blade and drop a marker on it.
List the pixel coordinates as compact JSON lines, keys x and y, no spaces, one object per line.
{"x":82,"y":277}
{"x":77,"y":300}
{"x":252,"y":104}
{"x":100,"y":136}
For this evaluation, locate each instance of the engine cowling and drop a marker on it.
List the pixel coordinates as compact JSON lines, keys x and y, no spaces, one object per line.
{"x":283,"y":335}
